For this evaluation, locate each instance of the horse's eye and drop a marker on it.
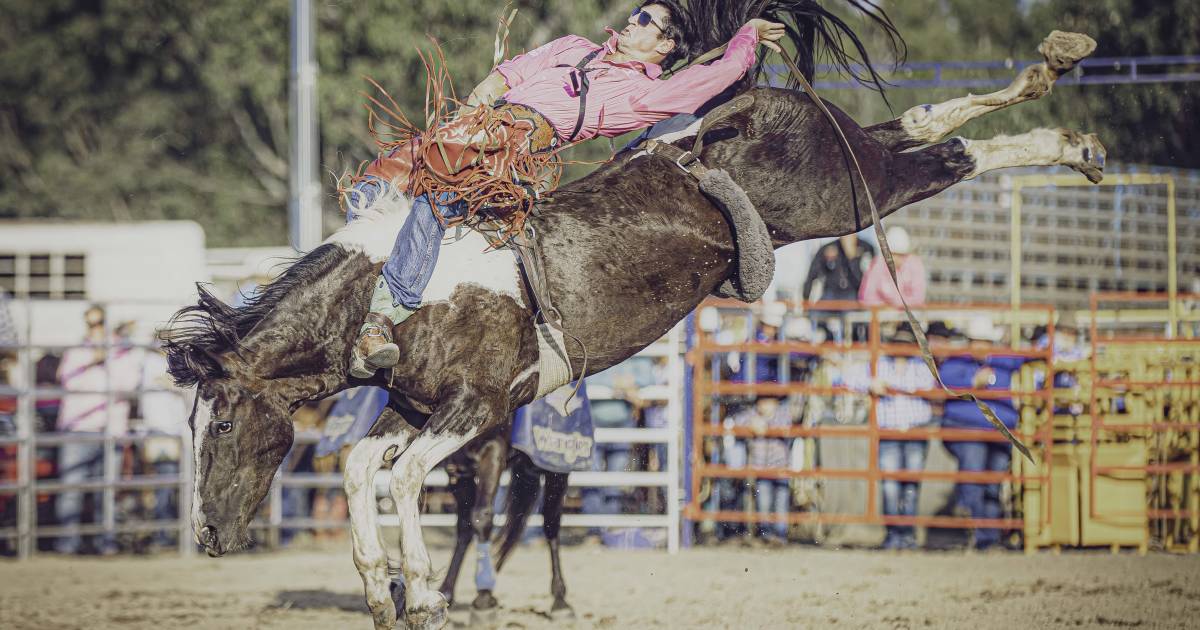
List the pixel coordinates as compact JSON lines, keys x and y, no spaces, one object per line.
{"x":223,"y":426}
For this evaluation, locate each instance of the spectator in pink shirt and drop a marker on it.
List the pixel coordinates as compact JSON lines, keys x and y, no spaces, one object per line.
{"x":877,"y":287}
{"x":567,"y":90}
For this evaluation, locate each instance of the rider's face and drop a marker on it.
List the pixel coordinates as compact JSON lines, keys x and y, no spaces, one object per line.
{"x":646,"y":43}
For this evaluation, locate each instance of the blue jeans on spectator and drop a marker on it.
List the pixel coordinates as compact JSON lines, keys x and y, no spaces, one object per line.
{"x":78,"y":463}
{"x":773,"y":496}
{"x":900,"y":497}
{"x":982,"y":500}
{"x":409,"y":268}
{"x":166,"y":505}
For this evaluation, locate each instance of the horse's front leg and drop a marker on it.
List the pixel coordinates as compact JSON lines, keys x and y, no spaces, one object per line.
{"x":467,"y":414}
{"x":388,"y":438}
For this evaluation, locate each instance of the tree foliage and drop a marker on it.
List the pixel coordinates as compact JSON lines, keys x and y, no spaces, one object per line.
{"x":169,"y":109}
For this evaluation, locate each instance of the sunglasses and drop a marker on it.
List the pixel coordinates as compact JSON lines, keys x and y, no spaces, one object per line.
{"x":644,"y":18}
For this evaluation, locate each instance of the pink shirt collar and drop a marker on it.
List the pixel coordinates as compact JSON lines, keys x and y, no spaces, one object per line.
{"x":651,"y":70}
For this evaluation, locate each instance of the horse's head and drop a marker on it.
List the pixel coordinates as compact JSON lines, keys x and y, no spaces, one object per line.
{"x":251,"y":366}
{"x":240,"y":436}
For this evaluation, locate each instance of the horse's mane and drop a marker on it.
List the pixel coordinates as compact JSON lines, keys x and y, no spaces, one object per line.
{"x":197,"y":335}
{"x":814,"y":31}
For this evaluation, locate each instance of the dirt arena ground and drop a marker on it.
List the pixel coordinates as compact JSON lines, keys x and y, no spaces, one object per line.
{"x":799,"y":587}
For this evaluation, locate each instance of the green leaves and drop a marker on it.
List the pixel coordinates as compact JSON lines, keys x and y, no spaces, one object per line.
{"x":172,"y":109}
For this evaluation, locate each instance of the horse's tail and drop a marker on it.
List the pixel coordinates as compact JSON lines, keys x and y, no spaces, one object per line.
{"x":815,"y":32}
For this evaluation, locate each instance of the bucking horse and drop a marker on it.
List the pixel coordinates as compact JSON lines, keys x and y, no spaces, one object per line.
{"x":626,"y":253}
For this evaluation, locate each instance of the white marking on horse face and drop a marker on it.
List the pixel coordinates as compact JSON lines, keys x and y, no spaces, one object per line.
{"x":201,"y":421}
{"x":464,"y":260}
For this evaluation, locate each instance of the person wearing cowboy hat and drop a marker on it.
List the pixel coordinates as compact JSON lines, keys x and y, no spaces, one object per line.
{"x":994,"y":372}
{"x":772,"y":496}
{"x":877,"y":287}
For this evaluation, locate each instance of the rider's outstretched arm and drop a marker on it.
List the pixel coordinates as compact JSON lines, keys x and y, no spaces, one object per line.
{"x":691,"y":87}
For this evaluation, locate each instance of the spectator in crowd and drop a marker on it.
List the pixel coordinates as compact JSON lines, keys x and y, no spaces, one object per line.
{"x":1069,"y":353}
{"x":164,"y":411}
{"x":877,"y":287}
{"x":1068,"y":342}
{"x":87,"y":372}
{"x":899,"y":413}
{"x":939,"y":333}
{"x":839,"y":267}
{"x":994,"y":372}
{"x":8,"y":328}
{"x":771,"y":495}
{"x":8,"y":354}
{"x":766,"y":366}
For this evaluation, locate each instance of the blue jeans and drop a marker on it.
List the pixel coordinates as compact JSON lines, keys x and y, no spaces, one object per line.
{"x":78,"y":463}
{"x":414,"y":255}
{"x":773,"y":496}
{"x":900,"y":497}
{"x":409,"y":268}
{"x":982,"y":500}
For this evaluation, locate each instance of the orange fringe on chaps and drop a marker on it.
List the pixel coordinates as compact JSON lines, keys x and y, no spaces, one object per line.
{"x":497,"y":160}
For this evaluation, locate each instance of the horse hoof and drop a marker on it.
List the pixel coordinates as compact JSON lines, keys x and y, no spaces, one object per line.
{"x":432,"y":615}
{"x":1063,"y":50}
{"x":1089,"y":155}
{"x":562,"y":611}
{"x":485,"y":617}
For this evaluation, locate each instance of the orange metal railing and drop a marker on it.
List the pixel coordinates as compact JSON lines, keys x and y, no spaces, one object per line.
{"x":707,"y":385}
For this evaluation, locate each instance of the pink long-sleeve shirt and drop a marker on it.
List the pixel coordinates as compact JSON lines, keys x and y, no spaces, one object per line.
{"x":622,"y":96}
{"x":877,"y":285}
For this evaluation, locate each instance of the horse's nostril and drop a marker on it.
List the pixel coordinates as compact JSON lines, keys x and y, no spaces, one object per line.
{"x":208,"y":536}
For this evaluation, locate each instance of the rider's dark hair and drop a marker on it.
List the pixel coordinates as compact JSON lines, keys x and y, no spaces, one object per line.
{"x":816,"y":33}
{"x":678,"y":30}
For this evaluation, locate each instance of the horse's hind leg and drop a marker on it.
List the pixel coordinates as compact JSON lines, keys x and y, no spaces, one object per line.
{"x":1040,"y":147}
{"x":388,"y":437}
{"x":926,"y":124}
{"x":490,"y":465}
{"x":552,"y":506}
{"x":462,"y":486}
{"x":921,"y":174}
{"x":522,"y":492}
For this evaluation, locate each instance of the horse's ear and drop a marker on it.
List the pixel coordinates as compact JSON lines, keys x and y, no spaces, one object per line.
{"x":190,"y":364}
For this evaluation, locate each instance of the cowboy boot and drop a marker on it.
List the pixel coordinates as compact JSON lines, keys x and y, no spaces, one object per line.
{"x":374,"y":348}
